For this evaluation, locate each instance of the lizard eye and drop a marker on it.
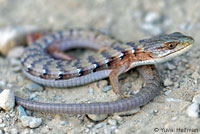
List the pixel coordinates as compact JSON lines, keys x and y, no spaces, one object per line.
{"x":172,"y":45}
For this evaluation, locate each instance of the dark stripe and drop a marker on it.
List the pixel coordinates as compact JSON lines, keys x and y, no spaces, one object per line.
{"x":141,"y":41}
{"x":33,"y":49}
{"x":118,"y":48}
{"x":38,"y":61}
{"x":106,"y":55}
{"x":60,"y":66}
{"x":46,"y":41}
{"x":46,"y":66}
{"x":71,"y":32}
{"x":29,"y":56}
{"x":77,"y":63}
{"x":60,"y":33}
{"x":132,"y":44}
{"x":92,"y":61}
{"x":38,"y":44}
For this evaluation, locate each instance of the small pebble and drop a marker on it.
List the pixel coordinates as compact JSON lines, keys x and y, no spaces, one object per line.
{"x":87,"y":130}
{"x":1,"y":132}
{"x":1,"y":120}
{"x":63,"y":123}
{"x":12,"y":36}
{"x":176,"y":85}
{"x":153,"y":112}
{"x":167,"y":82}
{"x":112,"y":122}
{"x":90,"y":125}
{"x":21,"y":112}
{"x":195,"y":75}
{"x":91,"y":91}
{"x":117,"y":117}
{"x":26,"y":131}
{"x":34,"y":87}
{"x":33,"y":96}
{"x":14,"y":62}
{"x":193,"y":110}
{"x":2,"y":83}
{"x":12,"y":115}
{"x":16,"y":52}
{"x":107,"y":131}
{"x":173,"y":118}
{"x":107,"y":88}
{"x":32,"y":122}
{"x":97,"y":117}
{"x":168,"y":92}
{"x":2,"y":125}
{"x":7,"y":116}
{"x":196,"y":99}
{"x":6,"y":40}
{"x":151,"y":17}
{"x":171,"y":66}
{"x":7,"y":100}
{"x":100,"y":125}
{"x":14,"y":131}
{"x":172,"y":99}
{"x":102,"y":83}
{"x":16,"y":69}
{"x":113,"y":127}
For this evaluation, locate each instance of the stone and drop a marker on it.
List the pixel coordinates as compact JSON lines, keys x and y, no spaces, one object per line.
{"x":16,"y":52}
{"x":12,"y":36}
{"x":151,"y":17}
{"x":14,"y":131}
{"x":21,"y":111}
{"x":196,"y":99}
{"x":7,"y":100}
{"x":97,"y":117}
{"x":107,"y":88}
{"x":167,"y":82}
{"x":193,"y":110}
{"x":29,"y":121}
{"x":112,"y":122}
{"x":2,"y":125}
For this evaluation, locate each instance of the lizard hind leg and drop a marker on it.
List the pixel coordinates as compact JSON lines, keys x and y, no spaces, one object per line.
{"x":113,"y":77}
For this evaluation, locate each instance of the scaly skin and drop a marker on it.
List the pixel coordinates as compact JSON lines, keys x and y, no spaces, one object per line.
{"x":114,"y":59}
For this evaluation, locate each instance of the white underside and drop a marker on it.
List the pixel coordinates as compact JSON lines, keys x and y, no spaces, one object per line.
{"x":160,"y":60}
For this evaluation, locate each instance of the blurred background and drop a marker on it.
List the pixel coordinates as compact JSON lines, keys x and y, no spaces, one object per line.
{"x":126,"y":20}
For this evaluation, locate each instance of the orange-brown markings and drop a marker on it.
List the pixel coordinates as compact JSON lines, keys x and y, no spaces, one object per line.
{"x":56,"y":53}
{"x":33,"y":37}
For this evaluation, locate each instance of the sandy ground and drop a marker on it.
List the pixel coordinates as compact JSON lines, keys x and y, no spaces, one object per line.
{"x":127,"y":21}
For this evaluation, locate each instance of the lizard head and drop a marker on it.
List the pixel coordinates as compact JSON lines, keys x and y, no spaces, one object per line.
{"x":165,"y":47}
